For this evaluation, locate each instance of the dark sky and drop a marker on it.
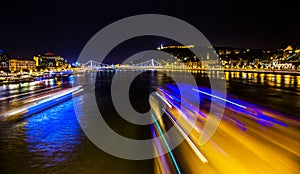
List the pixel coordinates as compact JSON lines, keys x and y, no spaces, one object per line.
{"x":31,"y":27}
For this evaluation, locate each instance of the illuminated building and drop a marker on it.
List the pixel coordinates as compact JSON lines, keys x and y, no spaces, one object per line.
{"x":289,"y":49}
{"x":177,"y":46}
{"x":21,"y":65}
{"x":49,"y":60}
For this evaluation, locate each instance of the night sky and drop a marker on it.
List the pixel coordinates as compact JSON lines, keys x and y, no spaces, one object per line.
{"x":32,"y":27}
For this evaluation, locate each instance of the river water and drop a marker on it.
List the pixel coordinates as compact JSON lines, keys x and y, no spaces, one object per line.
{"x":52,"y":141}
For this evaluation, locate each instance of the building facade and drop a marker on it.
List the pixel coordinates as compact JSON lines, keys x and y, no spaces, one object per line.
{"x":21,"y":65}
{"x":49,"y":60}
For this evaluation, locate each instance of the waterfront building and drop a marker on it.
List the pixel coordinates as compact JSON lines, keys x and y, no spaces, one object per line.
{"x":49,"y":60}
{"x":21,"y":65}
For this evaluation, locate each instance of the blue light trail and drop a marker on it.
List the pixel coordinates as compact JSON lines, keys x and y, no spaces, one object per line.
{"x":228,"y":101}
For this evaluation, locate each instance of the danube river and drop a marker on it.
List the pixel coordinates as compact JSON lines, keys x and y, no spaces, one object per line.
{"x":52,"y":140}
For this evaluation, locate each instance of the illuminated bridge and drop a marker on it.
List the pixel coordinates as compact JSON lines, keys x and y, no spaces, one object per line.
{"x":94,"y":65}
{"x":150,"y":64}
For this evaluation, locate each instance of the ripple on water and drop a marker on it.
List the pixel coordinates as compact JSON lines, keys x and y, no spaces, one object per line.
{"x":53,"y":135}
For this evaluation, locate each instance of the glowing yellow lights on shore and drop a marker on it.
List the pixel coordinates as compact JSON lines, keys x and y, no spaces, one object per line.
{"x":173,"y":46}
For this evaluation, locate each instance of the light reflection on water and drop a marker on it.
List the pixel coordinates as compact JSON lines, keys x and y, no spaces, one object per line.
{"x":53,"y":135}
{"x":274,"y":80}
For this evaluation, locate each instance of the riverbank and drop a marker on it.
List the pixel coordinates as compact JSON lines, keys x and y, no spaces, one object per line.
{"x":268,"y":71}
{"x":288,"y":72}
{"x":23,"y":78}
